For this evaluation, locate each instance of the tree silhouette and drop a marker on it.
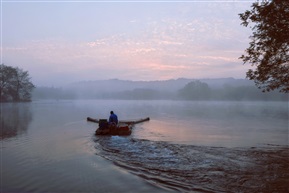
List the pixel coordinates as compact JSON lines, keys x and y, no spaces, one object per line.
{"x":269,"y":46}
{"x":195,"y":90}
{"x":15,"y":84}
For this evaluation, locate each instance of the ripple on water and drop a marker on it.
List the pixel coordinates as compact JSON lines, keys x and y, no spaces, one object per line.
{"x":200,"y":168}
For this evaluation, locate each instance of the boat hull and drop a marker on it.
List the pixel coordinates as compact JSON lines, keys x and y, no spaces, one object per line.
{"x":115,"y":130}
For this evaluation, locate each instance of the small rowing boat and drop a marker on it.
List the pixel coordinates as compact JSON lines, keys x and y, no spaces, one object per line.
{"x":124,"y":127}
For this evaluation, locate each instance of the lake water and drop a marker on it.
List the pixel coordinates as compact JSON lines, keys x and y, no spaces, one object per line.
{"x":48,"y":146}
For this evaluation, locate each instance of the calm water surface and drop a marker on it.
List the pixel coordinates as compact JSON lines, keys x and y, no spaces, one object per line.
{"x":48,"y":146}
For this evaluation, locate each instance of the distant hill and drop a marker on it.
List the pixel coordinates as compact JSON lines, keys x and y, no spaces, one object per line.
{"x":116,"y":85}
{"x":175,"y":89}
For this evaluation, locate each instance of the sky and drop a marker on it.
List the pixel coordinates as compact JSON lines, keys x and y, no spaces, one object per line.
{"x":60,"y":42}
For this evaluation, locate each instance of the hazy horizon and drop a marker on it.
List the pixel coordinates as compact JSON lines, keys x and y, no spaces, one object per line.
{"x":147,"y":81}
{"x":64,"y":42}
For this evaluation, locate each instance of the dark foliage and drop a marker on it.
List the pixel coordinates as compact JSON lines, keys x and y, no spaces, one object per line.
{"x":15,"y":84}
{"x":269,"y":46}
{"x":195,"y":90}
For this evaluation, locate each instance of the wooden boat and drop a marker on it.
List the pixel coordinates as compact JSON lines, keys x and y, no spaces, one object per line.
{"x":124,"y":127}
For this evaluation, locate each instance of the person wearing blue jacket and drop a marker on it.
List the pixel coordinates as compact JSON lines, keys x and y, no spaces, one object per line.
{"x":113,"y":118}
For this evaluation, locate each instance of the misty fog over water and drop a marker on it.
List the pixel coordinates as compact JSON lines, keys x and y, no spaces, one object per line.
{"x":200,"y":146}
{"x":222,"y":89}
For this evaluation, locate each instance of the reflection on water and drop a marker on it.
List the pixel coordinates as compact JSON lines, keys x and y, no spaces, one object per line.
{"x":15,"y":118}
{"x":56,"y":153}
{"x":229,"y":124}
{"x":186,"y":146}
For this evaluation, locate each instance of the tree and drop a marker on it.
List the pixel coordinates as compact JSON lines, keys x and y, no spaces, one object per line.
{"x":195,"y":90}
{"x":15,"y":84}
{"x":269,"y":46}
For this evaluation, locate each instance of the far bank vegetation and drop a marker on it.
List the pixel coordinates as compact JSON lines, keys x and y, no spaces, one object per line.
{"x":180,"y":89}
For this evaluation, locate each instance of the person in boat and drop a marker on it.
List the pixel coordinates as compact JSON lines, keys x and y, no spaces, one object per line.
{"x":113,"y":120}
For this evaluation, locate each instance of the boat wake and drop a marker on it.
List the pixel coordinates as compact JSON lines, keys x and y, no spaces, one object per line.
{"x":189,"y":168}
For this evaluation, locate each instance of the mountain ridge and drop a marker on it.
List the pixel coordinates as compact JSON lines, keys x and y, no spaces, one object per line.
{"x":168,"y":85}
